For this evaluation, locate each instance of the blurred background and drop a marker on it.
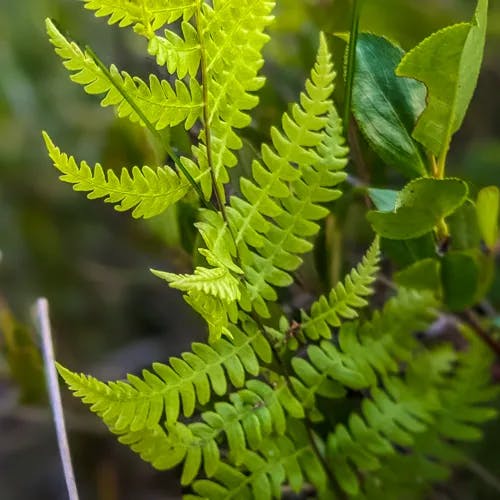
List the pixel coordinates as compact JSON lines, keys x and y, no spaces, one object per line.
{"x":110,"y":315}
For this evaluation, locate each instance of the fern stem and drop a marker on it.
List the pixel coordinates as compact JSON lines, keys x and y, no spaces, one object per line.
{"x":43,"y":324}
{"x":175,"y":158}
{"x":206,"y":116}
{"x":351,"y":61}
{"x":308,"y":424}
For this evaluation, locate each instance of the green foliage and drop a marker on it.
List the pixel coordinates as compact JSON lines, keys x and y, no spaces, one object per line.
{"x":448,"y":62}
{"x":420,"y":206}
{"x":146,"y":191}
{"x":249,"y":411}
{"x":387,"y":107}
{"x":488,"y":208}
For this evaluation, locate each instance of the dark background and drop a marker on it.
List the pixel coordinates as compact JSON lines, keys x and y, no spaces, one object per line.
{"x":110,"y":315}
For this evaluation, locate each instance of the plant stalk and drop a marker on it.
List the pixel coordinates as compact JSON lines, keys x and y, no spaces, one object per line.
{"x":351,"y":61}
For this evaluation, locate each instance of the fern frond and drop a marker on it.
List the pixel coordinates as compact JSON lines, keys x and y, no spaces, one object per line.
{"x":390,"y":417}
{"x":217,"y":282}
{"x":245,"y":422}
{"x":146,"y":191}
{"x":285,"y":459}
{"x":146,"y":16}
{"x":344,"y":299}
{"x":162,"y":105}
{"x":231,"y":36}
{"x":289,"y":185}
{"x":140,"y":403}
{"x":181,"y":55}
{"x":440,"y":412}
{"x":364,"y":353}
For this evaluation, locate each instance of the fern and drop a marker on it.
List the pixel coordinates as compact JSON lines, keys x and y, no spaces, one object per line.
{"x":249,"y":412}
{"x":251,"y":415}
{"x":159,"y":102}
{"x":343,"y":299}
{"x":146,"y":191}
{"x":364,"y":352}
{"x":140,"y":403}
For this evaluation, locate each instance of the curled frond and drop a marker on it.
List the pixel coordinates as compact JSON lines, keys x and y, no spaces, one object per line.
{"x":344,"y":299}
{"x":146,"y":191}
{"x":140,"y":403}
{"x":161,"y":104}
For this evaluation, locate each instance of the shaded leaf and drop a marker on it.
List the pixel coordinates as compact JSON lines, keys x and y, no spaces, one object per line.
{"x":387,"y":107}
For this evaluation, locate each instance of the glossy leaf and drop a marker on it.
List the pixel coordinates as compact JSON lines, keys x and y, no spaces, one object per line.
{"x":385,"y":106}
{"x":419,"y":208}
{"x":448,"y":62}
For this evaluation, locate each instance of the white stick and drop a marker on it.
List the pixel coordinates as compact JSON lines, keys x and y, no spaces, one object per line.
{"x":44,"y":330}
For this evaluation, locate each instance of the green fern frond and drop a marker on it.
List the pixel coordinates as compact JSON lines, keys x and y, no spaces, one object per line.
{"x":181,"y":55}
{"x":289,"y":459}
{"x":217,"y":282}
{"x":148,"y":192}
{"x":162,"y":105}
{"x":253,"y":414}
{"x":231,"y":37}
{"x":440,"y":412}
{"x":390,"y":417}
{"x":344,"y":299}
{"x":364,"y":353}
{"x":288,"y":186}
{"x":146,"y":16}
{"x":169,"y":389}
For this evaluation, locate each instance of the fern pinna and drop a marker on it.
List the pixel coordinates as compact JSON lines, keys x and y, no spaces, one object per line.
{"x":250,"y":410}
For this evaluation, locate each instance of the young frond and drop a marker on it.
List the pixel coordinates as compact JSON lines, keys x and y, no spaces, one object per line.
{"x":344,"y":299}
{"x":217,"y":282}
{"x":243,"y":423}
{"x":140,"y":403}
{"x":231,"y":62}
{"x":288,"y":186}
{"x":160,"y":103}
{"x":146,"y":16}
{"x":181,"y":55}
{"x":146,"y":191}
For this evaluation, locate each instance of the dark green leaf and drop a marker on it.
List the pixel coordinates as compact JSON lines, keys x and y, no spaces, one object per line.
{"x":464,"y":228}
{"x":460,"y":278}
{"x":385,"y":106}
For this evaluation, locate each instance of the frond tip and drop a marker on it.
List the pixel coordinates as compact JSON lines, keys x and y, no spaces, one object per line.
{"x":148,"y":192}
{"x":344,"y":299}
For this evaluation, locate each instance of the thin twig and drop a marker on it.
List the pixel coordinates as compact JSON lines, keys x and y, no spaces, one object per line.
{"x":487,"y":477}
{"x":44,"y":330}
{"x":351,"y":62}
{"x":469,"y":318}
